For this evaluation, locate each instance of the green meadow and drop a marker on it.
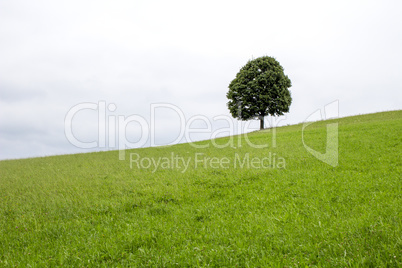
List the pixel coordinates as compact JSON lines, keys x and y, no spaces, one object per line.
{"x":234,"y":206}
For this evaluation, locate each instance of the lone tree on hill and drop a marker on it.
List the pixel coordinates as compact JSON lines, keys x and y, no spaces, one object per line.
{"x":259,"y":89}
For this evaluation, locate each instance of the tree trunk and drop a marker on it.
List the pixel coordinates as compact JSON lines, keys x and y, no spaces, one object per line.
{"x":261,"y":122}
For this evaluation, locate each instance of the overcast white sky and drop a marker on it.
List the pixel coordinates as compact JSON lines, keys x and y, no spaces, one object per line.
{"x":57,"y":54}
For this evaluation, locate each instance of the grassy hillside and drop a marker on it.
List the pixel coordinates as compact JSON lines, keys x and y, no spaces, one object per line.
{"x":292,"y":210}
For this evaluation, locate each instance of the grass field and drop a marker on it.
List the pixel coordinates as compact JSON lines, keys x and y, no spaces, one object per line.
{"x":290,"y":210}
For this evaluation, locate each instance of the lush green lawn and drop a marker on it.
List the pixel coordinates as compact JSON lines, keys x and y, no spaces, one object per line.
{"x":94,"y":210}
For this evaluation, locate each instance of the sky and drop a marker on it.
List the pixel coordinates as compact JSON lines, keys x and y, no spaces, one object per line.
{"x":80,"y":76}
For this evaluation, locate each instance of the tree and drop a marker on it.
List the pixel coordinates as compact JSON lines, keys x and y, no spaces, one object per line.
{"x":260,"y":88}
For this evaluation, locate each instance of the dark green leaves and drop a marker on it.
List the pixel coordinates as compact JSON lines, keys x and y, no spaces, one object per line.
{"x":259,"y":89}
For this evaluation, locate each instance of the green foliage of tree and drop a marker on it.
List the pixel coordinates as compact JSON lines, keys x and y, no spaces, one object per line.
{"x":260,"y":88}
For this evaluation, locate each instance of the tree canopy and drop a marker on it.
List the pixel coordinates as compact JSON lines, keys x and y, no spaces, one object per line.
{"x":260,"y":88}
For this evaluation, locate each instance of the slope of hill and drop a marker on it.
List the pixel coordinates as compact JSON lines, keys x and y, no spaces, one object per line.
{"x":231,"y":206}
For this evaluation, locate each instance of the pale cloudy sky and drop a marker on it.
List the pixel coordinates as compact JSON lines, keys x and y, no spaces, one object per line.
{"x":55,"y":55}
